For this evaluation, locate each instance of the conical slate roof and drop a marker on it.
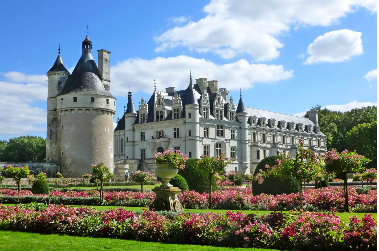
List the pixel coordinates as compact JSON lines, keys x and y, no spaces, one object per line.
{"x":85,"y":79}
{"x":130,"y":106}
{"x":241,"y":107}
{"x":58,"y":65}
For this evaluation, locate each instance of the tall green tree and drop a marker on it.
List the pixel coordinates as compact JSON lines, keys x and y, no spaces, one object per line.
{"x":363,"y":139}
{"x":24,"y":149}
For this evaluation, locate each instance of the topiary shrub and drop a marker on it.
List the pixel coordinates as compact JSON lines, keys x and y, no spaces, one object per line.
{"x":179,"y":181}
{"x":238,"y":180}
{"x":196,"y":178}
{"x":322,"y":183}
{"x":273,"y":185}
{"x":40,"y":187}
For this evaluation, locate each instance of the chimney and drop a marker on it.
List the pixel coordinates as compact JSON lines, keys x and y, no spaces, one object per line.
{"x":104,"y":67}
{"x":170,"y":89}
{"x":213,"y":85}
{"x":203,"y":84}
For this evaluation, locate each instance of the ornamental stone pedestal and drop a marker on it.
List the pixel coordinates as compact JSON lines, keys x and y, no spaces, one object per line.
{"x":166,"y":198}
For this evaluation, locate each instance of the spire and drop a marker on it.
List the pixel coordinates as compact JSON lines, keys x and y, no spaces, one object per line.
{"x":58,"y":65}
{"x":241,"y":107}
{"x":130,"y":106}
{"x":190,"y":78}
{"x":155,"y":86}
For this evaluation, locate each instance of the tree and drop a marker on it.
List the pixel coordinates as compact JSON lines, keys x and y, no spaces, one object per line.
{"x":24,"y":149}
{"x":142,"y":177}
{"x":363,"y":139}
{"x":17,"y":173}
{"x":212,"y":166}
{"x":101,"y":173}
{"x":369,"y":175}
{"x":344,"y":162}
{"x":304,"y":167}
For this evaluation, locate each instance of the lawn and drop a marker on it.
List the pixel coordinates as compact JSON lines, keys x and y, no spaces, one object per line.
{"x":31,"y":241}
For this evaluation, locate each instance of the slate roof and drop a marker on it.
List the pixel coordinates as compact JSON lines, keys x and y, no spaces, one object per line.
{"x":58,"y":65}
{"x":277,"y":116}
{"x":130,"y":106}
{"x":241,"y":107}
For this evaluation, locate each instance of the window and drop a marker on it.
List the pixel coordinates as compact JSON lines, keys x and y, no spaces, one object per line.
{"x":122,"y":146}
{"x":217,"y":114}
{"x":206,"y":132}
{"x":206,"y":150}
{"x":59,"y":85}
{"x":264,"y":153}
{"x":284,"y":139}
{"x":293,"y":140}
{"x":233,"y":152}
{"x":61,"y":100}
{"x":176,"y":113}
{"x":273,"y":139}
{"x":220,"y":131}
{"x":159,"y":116}
{"x":310,"y":142}
{"x":176,"y":132}
{"x":143,"y":118}
{"x":205,"y":113}
{"x":189,"y":115}
{"x":189,"y":155}
{"x":264,"y":138}
{"x":177,"y":148}
{"x":254,"y":137}
{"x":231,"y":116}
{"x":127,"y":139}
{"x":62,"y":154}
{"x":117,"y":146}
{"x":319,"y":143}
{"x":233,"y":134}
{"x":107,"y":100}
{"x":159,"y":134}
{"x":218,"y":149}
{"x":143,"y":154}
{"x":258,"y":154}
{"x":75,"y":99}
{"x":62,"y":126}
{"x":189,"y":132}
{"x":92,"y":99}
{"x":143,"y":138}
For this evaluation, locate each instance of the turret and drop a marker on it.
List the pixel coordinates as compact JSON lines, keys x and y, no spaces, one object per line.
{"x":243,"y":148}
{"x":192,"y":121}
{"x":130,"y":119}
{"x":57,"y":76}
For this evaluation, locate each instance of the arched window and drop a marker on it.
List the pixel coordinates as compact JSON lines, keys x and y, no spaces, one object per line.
{"x":160,"y":150}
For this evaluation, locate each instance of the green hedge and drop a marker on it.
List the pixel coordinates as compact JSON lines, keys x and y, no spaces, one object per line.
{"x":179,"y":181}
{"x":273,"y":185}
{"x":40,"y":187}
{"x":196,"y":178}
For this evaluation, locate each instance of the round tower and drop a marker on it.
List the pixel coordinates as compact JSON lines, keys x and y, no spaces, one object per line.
{"x":85,"y":111}
{"x":57,"y":77}
{"x":192,"y":122}
{"x":130,"y":119}
{"x":243,"y":143}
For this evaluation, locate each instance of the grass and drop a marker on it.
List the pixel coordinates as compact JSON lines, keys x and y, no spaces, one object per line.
{"x":31,"y":241}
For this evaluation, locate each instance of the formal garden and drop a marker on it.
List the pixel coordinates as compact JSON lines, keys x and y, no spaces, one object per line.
{"x":287,"y":204}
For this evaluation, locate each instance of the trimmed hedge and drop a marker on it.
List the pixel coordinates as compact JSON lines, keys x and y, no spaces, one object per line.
{"x":179,"y":181}
{"x":40,"y":187}
{"x":273,"y":185}
{"x":51,"y":200}
{"x":196,"y":178}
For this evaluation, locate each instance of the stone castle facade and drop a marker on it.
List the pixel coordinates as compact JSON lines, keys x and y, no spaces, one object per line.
{"x":80,"y":111}
{"x":203,"y":120}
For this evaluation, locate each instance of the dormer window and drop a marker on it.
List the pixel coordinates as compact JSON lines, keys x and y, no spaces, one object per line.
{"x":158,"y":116}
{"x":205,"y":112}
{"x":176,"y":113}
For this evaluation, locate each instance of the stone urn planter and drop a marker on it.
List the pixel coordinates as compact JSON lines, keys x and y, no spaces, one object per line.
{"x":166,"y":173}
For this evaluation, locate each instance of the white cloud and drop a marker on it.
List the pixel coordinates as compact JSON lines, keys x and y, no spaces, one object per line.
{"x":371,"y":75}
{"x":19,"y":77}
{"x":174,"y":71}
{"x":178,"y":20}
{"x":233,"y":27}
{"x":335,"y":46}
{"x":342,"y":108}
{"x":19,"y":116}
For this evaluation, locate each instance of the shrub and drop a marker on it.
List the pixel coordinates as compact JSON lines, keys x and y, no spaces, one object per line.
{"x":238,"y":181}
{"x":196,"y":178}
{"x":40,"y":186}
{"x":273,"y":185}
{"x":357,"y":177}
{"x":321,"y":183}
{"x":179,"y":181}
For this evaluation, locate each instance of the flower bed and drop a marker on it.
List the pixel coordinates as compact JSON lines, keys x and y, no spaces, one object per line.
{"x":323,"y":199}
{"x":276,"y":230}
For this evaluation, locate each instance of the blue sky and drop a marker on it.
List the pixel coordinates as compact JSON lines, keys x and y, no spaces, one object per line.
{"x":287,"y":56}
